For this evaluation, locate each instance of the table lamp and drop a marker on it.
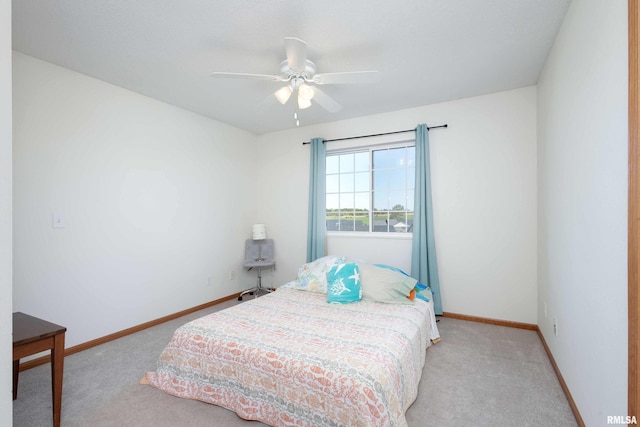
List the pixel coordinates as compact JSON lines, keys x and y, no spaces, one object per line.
{"x":259,"y":232}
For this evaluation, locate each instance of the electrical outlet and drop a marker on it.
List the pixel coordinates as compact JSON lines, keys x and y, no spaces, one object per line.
{"x":209,"y":281}
{"x":555,"y":326}
{"x":545,"y":310}
{"x":232,"y":274}
{"x":57,"y":221}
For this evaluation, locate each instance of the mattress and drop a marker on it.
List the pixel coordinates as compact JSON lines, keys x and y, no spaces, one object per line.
{"x":291,"y":359}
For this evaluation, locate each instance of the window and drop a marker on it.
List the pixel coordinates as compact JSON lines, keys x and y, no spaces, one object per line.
{"x":371,"y":189}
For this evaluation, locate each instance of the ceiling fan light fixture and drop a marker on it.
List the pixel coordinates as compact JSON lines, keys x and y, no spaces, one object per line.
{"x":305,"y":92}
{"x":303,"y":103}
{"x":283,"y":94}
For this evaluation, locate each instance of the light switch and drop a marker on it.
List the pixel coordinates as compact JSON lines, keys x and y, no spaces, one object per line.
{"x":57,"y":221}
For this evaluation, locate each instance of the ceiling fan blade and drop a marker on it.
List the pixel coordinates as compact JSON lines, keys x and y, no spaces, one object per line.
{"x":326,"y":101}
{"x":247,"y":76}
{"x":296,"y":53}
{"x":347,"y":77}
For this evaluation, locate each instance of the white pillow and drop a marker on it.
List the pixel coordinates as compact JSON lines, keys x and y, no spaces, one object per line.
{"x":385,"y":285}
{"x":313,"y":275}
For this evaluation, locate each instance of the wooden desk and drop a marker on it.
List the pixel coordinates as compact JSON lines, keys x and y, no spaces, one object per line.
{"x":32,"y":335}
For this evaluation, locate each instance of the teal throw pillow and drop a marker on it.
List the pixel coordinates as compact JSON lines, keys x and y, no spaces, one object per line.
{"x":343,"y":284}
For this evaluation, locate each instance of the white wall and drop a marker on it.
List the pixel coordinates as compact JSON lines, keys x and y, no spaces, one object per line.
{"x":582,"y":133}
{"x":6,"y":378}
{"x":484,"y":191}
{"x":153,"y":199}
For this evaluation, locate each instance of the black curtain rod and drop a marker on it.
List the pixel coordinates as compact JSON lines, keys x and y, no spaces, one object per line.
{"x":376,"y":134}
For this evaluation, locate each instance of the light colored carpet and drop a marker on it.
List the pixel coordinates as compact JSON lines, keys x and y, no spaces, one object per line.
{"x":480,"y":375}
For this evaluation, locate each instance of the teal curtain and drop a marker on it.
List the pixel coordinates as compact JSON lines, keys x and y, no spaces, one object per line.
{"x":423,"y":256}
{"x":317,"y":227}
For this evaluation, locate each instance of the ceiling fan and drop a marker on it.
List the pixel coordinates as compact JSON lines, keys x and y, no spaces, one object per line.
{"x":299,"y":75}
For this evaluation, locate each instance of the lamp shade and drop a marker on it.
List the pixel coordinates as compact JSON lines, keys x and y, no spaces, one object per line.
{"x":303,"y":103}
{"x":283,"y":94}
{"x":259,"y":232}
{"x":305,"y":92}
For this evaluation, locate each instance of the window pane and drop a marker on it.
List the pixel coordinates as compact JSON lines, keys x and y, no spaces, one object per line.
{"x":333,"y":223}
{"x":410,"y":201}
{"x":346,"y":225}
{"x":361,"y":219}
{"x":380,"y":222}
{"x":397,"y":179}
{"x":333,"y":201}
{"x":398,"y":222}
{"x":397,"y":157}
{"x":361,"y":181}
{"x":361,"y":223}
{"x":346,"y":215}
{"x":346,"y":163}
{"x":346,"y":201}
{"x":380,"y":201}
{"x":332,"y":164}
{"x":380,"y":159}
{"x":380,"y":180}
{"x":362,"y":201}
{"x":397,"y":200}
{"x":411,"y":157}
{"x":346,"y":182}
{"x":332,"y":184}
{"x":362,"y":162}
{"x":411,"y":178}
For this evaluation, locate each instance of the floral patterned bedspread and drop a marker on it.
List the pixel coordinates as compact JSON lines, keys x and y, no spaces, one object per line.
{"x":291,"y":359}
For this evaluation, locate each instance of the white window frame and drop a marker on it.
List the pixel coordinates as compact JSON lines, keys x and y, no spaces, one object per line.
{"x":366,"y":145}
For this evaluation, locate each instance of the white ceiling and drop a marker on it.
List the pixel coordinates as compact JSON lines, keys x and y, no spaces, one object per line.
{"x":426,"y":51}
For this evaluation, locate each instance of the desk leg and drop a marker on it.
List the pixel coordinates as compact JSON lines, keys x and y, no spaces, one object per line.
{"x":16,"y":370}
{"x":57,"y":367}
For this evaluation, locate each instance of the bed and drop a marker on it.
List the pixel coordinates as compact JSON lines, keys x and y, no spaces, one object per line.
{"x":290,"y":358}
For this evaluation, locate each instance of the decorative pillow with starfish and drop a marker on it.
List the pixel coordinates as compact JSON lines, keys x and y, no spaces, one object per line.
{"x":343,"y":284}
